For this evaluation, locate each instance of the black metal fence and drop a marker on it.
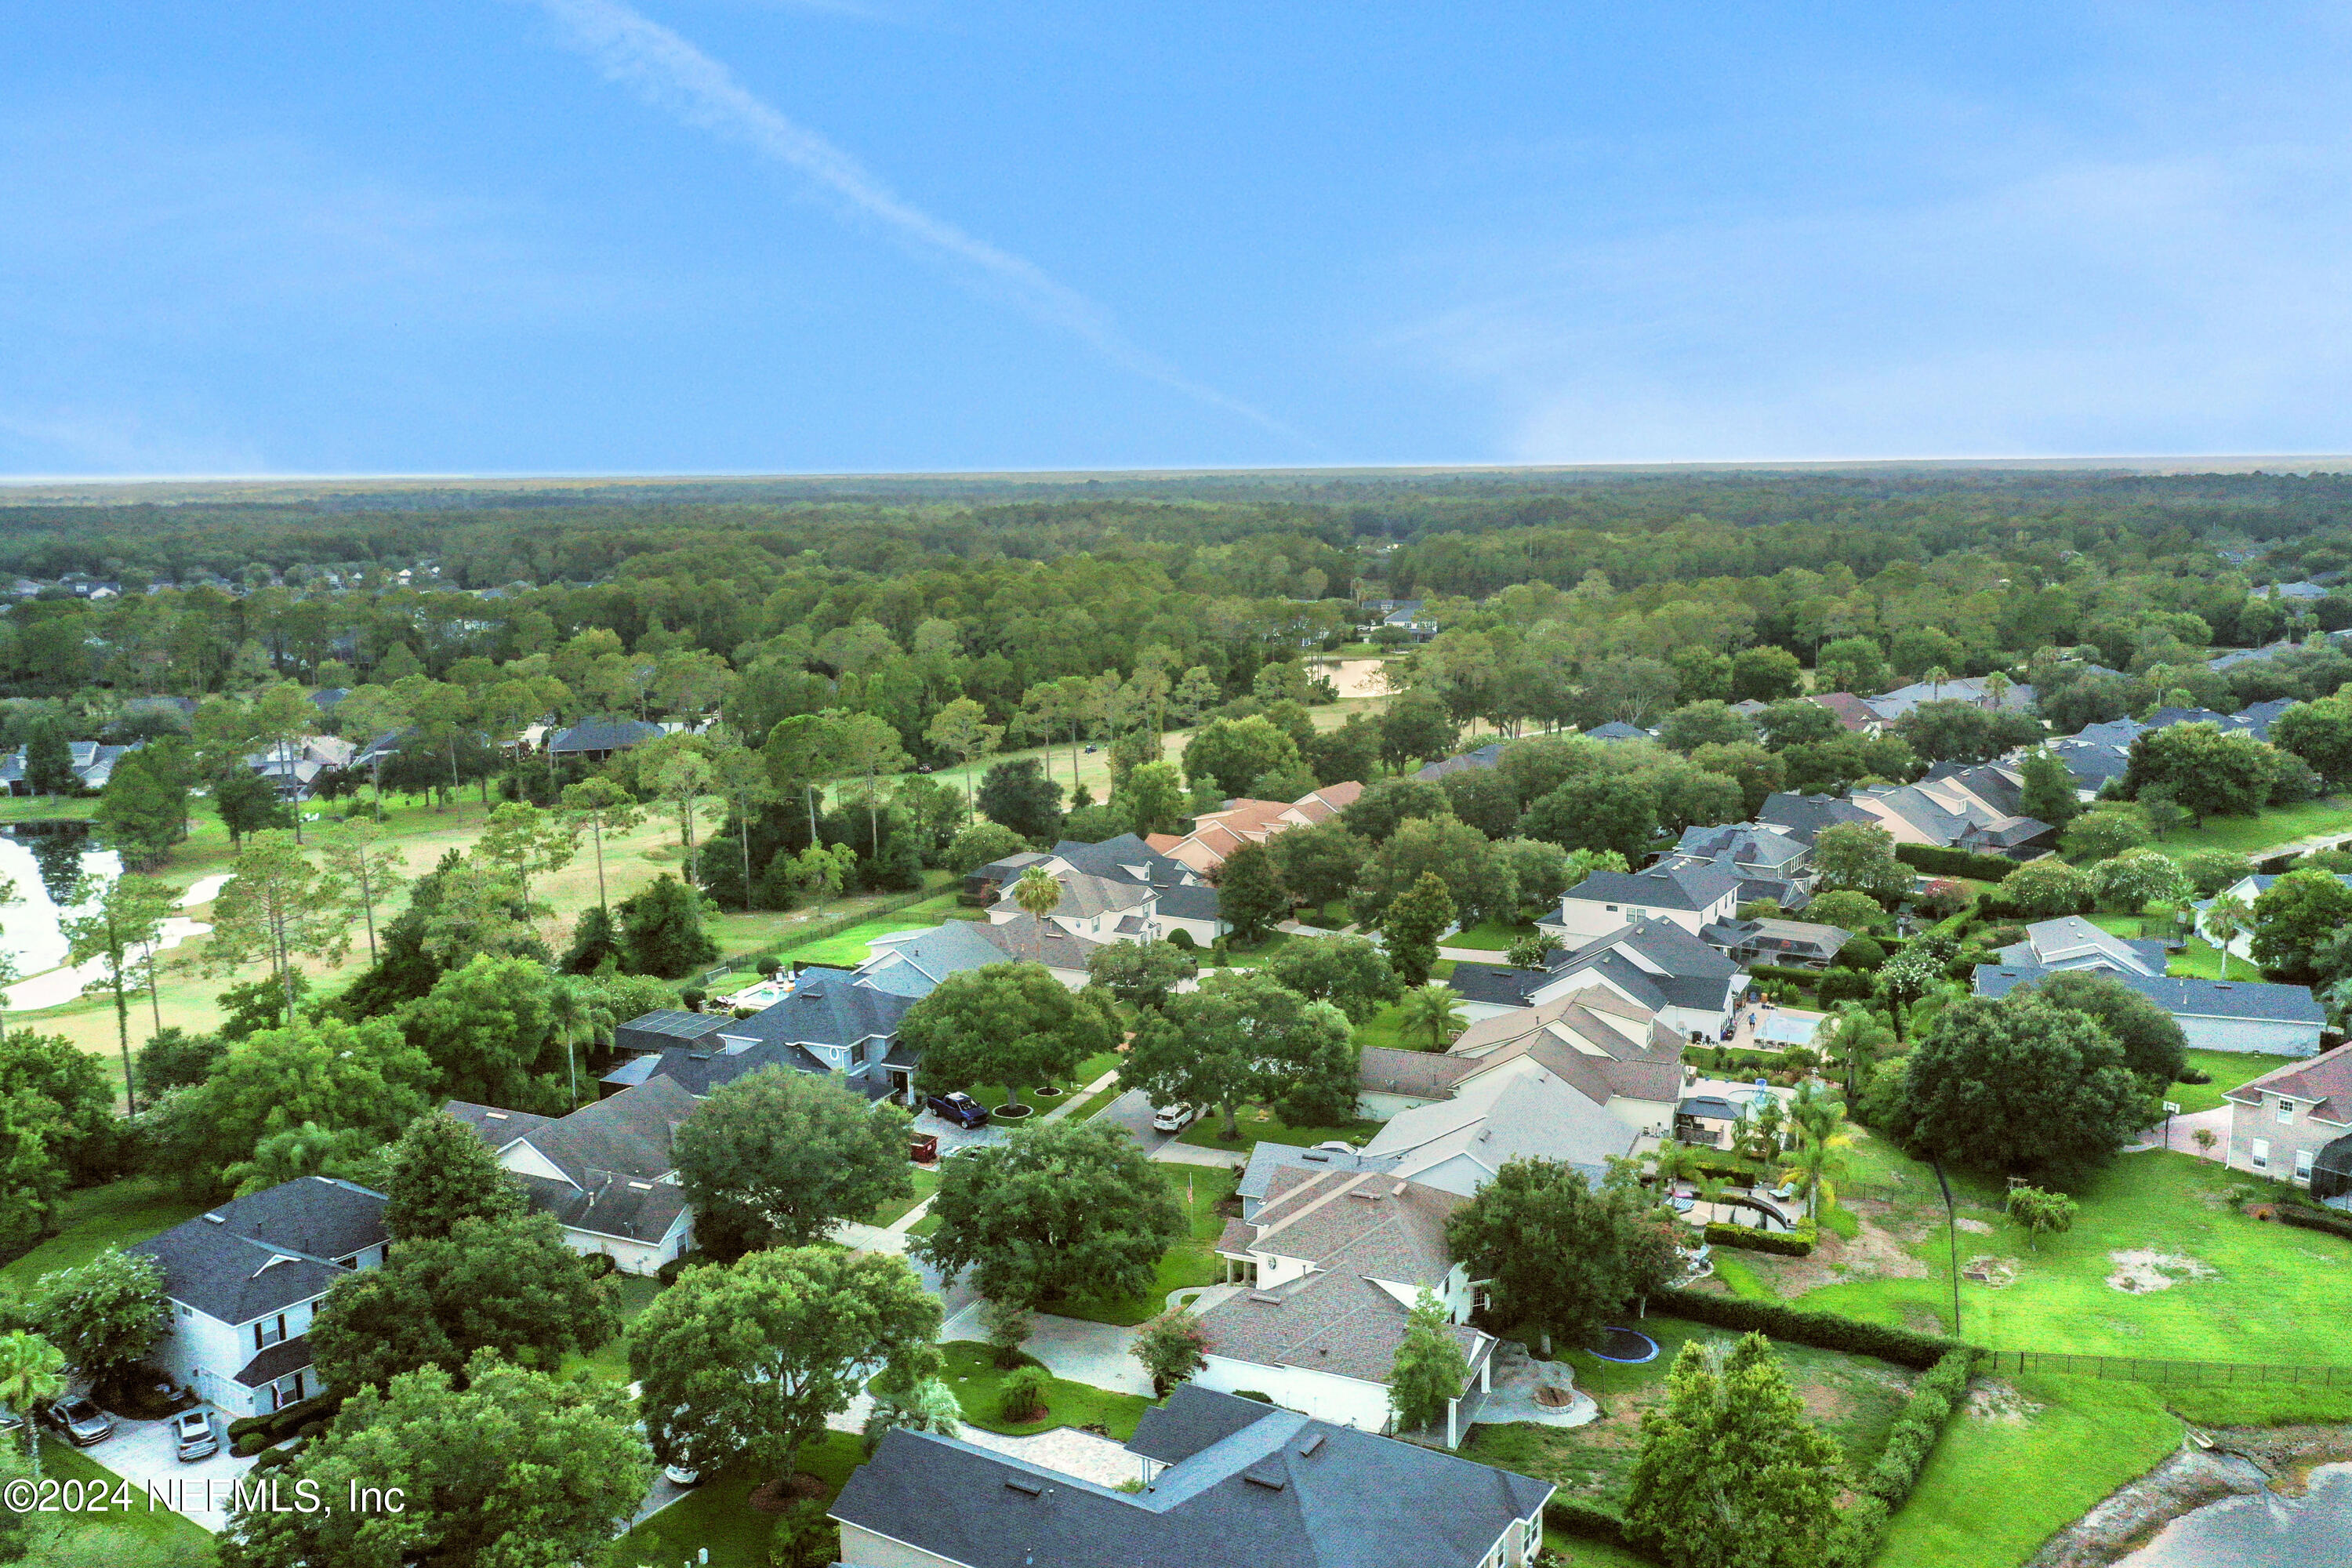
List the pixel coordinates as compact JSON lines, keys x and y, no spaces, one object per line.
{"x":2132,"y":1369}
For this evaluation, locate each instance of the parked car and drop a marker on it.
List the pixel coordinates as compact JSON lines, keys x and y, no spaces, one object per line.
{"x":958,"y":1107}
{"x":1174,"y":1118}
{"x":682,"y":1475}
{"x":192,"y":1430}
{"x":81,"y":1422}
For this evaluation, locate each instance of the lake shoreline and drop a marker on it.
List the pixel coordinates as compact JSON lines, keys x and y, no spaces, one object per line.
{"x":2192,"y":1477}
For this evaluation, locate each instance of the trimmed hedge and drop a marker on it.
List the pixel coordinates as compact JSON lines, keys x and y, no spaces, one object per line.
{"x":281,"y":1424}
{"x":2313,"y":1219}
{"x":1824,"y":1330}
{"x":1955,"y":862}
{"x":1796,"y":1243}
{"x":1591,"y":1523}
{"x":1918,"y":1426}
{"x":1784,"y":972}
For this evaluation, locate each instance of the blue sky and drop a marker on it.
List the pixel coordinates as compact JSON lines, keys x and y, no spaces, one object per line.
{"x":757,"y":235}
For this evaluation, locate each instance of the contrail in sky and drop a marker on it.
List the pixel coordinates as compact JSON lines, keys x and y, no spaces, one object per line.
{"x":668,"y":72}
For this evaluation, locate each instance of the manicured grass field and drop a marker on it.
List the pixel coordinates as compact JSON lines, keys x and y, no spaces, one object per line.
{"x":718,"y":1516}
{"x":850,"y":947}
{"x":973,"y":1372}
{"x":1853,"y":1398}
{"x":95,"y":1218}
{"x":1202,"y":1192}
{"x":610,"y":1360}
{"x":2241,"y":1289}
{"x":1999,"y":1484}
{"x":890,"y":1214}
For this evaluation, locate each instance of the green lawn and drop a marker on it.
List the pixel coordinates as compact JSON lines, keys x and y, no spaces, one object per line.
{"x":1488,"y":936}
{"x":1853,"y":1398}
{"x":718,"y":1516}
{"x":973,"y":1372}
{"x":1259,"y":1125}
{"x":2230,"y":1069}
{"x":2280,"y":825}
{"x":927,"y":1181}
{"x":2261,"y":1289}
{"x":611,"y":1359}
{"x":1999,"y":1484}
{"x":1201,"y":1191}
{"x":95,"y":1218}
{"x":136,"y":1538}
{"x":850,"y":947}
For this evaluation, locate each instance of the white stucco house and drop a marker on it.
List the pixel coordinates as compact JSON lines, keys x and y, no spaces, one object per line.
{"x":244,"y":1282}
{"x":2246,"y":889}
{"x":1121,"y":890}
{"x":605,"y":1172}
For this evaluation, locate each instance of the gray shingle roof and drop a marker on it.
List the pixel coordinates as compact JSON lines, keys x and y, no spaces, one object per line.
{"x":1692,"y":887}
{"x":220,"y":1262}
{"x":604,"y":734}
{"x":613,"y":1153}
{"x":1280,"y":1491}
{"x":1802,"y":817}
{"x":1485,"y":756}
{"x":913,"y":965}
{"x":825,"y":1007}
{"x":2179,"y":995}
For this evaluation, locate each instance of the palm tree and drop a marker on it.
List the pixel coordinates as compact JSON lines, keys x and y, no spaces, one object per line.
{"x":2227,"y":918}
{"x":1936,"y":677}
{"x":575,"y":1008}
{"x":1816,"y":1167}
{"x":1433,"y":1012}
{"x":1815,"y":1113}
{"x":1036,"y":893}
{"x":32,"y":1373}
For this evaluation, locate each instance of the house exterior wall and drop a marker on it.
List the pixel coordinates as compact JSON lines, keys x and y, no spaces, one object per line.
{"x":634,"y":1256}
{"x":1642,"y":1115}
{"x":863,"y":1549}
{"x":1585,"y":918}
{"x":2283,"y":1141}
{"x":202,"y":1352}
{"x":1342,"y":1401}
{"x":2283,"y":1040}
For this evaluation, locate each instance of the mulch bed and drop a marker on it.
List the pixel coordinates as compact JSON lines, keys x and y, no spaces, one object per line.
{"x":775,"y":1497}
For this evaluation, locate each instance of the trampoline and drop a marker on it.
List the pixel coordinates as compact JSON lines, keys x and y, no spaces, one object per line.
{"x":1624,"y":1347}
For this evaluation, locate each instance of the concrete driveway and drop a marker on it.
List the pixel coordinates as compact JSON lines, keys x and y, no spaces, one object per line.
{"x":1096,"y":1353}
{"x":1132,"y":1110}
{"x":144,"y":1451}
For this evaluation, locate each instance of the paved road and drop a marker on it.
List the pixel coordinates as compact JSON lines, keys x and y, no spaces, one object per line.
{"x":1132,"y":1110}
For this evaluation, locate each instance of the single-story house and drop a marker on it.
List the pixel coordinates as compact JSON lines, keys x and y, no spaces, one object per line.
{"x":1516,"y":1107}
{"x":1893,"y":705}
{"x":1335,"y":1261}
{"x":2295,"y":1124}
{"x":1225,"y":1480}
{"x":244,"y":1281}
{"x":605,"y":1172}
{"x":1616,"y":730}
{"x":1852,"y":713}
{"x":2070,"y":942}
{"x":2215,"y":1015}
{"x":599,"y":739}
{"x":2246,"y":889}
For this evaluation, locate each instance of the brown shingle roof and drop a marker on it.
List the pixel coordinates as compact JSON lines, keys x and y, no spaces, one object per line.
{"x":2324,"y":1080}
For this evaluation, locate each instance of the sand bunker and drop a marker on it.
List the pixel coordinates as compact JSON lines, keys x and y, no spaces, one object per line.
{"x":2138,"y":1272}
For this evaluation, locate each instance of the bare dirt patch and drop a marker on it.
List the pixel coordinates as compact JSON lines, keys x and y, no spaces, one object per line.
{"x":1973,"y":1227}
{"x":2139,"y":1272}
{"x":1989,"y":1399}
{"x":1876,"y":1253}
{"x":1993,"y":1273}
{"x":1823,"y":1403}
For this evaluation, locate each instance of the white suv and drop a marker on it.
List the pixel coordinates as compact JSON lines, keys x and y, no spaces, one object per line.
{"x":1175,"y":1119}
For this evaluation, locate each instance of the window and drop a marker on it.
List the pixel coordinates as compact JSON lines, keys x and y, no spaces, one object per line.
{"x":268,"y":1331}
{"x":2303,"y":1166}
{"x":2259,"y":1157}
{"x":2285,"y":1109}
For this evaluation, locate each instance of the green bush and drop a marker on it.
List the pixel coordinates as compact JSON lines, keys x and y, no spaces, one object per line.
{"x":1253,"y":1393}
{"x":2313,"y":1219}
{"x":1796,"y":1243}
{"x":279,"y":1425}
{"x":1955,"y":862}
{"x":244,"y":1444}
{"x":692,"y":1258}
{"x":276,"y":1457}
{"x":1824,"y":1330}
{"x":1184,"y":939}
{"x":1584,"y":1520}
{"x":1022,"y":1396}
{"x":1917,"y":1428}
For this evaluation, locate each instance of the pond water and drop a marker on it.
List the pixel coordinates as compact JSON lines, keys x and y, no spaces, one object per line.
{"x":45,"y":868}
{"x":2263,"y":1530}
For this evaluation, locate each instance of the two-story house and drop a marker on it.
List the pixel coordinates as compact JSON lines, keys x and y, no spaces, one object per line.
{"x":1335,"y":1261}
{"x":2295,"y":1124}
{"x":1121,"y":890}
{"x":1685,"y":980}
{"x":1770,"y":862}
{"x":831,"y":1021}
{"x":1692,"y":896}
{"x":244,"y":1281}
{"x":605,"y":1172}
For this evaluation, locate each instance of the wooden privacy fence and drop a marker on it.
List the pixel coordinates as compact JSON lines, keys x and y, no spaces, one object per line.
{"x":2132,"y":1369}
